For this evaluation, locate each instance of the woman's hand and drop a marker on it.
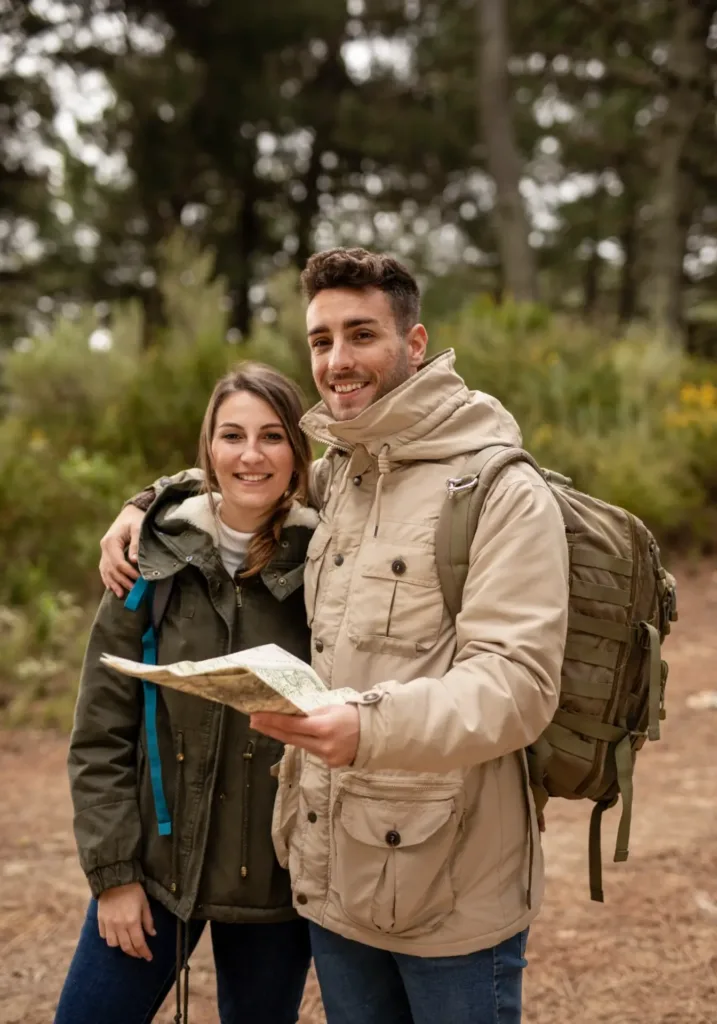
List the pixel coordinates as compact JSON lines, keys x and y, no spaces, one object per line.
{"x":118,"y":574}
{"x":124,"y":916}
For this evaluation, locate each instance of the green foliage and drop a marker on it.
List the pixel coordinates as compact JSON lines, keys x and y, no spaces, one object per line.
{"x":41,"y":650}
{"x":619,"y":415}
{"x":629,"y":419}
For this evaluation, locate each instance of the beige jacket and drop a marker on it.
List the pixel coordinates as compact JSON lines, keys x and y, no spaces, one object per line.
{"x":428,"y":844}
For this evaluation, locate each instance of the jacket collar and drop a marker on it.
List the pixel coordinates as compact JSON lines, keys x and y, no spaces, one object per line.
{"x":432,"y":415}
{"x":197,"y":512}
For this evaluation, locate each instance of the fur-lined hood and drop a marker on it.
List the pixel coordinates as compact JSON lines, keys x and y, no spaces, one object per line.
{"x":197,"y":511}
{"x":180,"y":527}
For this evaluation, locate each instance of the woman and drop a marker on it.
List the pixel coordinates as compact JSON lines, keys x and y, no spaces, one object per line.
{"x":173,"y":809}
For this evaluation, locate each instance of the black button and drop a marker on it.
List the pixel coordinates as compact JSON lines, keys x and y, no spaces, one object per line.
{"x":399,"y":566}
{"x":393,"y":838}
{"x":302,"y":899}
{"x":312,"y":816}
{"x":338,"y":559}
{"x":319,"y":646}
{"x":357,"y":481}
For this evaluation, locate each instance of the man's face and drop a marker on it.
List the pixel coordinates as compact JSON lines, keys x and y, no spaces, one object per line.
{"x":357,"y":353}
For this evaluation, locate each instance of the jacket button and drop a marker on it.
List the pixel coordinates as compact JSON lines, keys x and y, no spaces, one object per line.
{"x":173,"y":887}
{"x":393,"y":838}
{"x":319,"y":646}
{"x":370,"y":697}
{"x":222,"y":796}
{"x":399,"y":566}
{"x":302,"y":898}
{"x":338,"y":559}
{"x":312,"y":816}
{"x":357,"y":481}
{"x":282,"y":582}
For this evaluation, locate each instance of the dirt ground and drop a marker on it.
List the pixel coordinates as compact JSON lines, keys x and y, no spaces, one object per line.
{"x":648,"y":956}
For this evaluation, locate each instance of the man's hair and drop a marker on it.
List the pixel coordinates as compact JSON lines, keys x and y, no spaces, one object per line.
{"x":358,"y":268}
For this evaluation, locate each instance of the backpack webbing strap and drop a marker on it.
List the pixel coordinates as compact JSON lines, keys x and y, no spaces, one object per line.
{"x":461,"y":511}
{"x":159,"y":594}
{"x":654,"y":699}
{"x":624,"y":766}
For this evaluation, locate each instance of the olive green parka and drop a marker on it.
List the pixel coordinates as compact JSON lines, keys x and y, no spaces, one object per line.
{"x":219,"y":862}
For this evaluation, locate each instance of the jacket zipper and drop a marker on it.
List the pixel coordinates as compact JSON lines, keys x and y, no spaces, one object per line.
{"x":248,"y":758}
{"x":175,"y":812}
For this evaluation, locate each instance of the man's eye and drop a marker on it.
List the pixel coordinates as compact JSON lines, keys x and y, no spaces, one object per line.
{"x":364,"y":335}
{"x":320,"y":343}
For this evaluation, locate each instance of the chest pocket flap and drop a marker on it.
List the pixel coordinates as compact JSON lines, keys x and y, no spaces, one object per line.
{"x":397,"y":596}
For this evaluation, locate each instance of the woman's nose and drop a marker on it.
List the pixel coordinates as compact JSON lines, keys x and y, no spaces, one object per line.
{"x":251,"y":453}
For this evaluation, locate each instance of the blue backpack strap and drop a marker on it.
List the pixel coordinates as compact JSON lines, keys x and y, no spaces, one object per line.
{"x":140,"y":592}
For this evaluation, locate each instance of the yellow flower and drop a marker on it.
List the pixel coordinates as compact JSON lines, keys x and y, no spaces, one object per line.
{"x":708,"y":396}
{"x":689,"y":394}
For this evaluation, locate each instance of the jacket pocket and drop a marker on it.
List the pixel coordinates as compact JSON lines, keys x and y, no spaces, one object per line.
{"x":401,"y":602}
{"x":286,"y":805}
{"x":392,"y":858}
{"x":315,"y":558}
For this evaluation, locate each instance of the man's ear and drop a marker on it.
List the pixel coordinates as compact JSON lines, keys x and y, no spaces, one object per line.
{"x":417,"y":340}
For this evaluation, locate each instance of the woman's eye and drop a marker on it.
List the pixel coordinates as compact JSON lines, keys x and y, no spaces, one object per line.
{"x":275,"y":437}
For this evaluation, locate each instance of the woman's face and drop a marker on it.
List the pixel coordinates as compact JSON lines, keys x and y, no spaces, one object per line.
{"x":252,"y":459}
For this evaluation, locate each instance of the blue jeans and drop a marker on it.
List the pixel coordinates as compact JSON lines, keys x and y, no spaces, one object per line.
{"x":261,"y":970}
{"x":363,"y":985}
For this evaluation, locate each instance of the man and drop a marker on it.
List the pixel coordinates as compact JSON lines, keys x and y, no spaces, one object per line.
{"x":411,"y":837}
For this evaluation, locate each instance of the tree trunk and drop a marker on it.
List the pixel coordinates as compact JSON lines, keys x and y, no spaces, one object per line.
{"x":627,"y":295}
{"x":247,"y":241}
{"x":503,"y":158}
{"x":671,"y":209}
{"x":591,"y":281}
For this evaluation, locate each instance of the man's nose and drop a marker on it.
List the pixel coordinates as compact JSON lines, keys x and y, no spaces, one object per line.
{"x":341,"y":356}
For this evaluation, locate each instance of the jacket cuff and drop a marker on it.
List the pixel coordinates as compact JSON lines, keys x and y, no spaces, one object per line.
{"x":143,"y":500}
{"x":364,"y":707}
{"x":122,"y":873}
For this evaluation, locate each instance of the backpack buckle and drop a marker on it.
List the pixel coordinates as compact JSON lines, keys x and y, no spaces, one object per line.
{"x":460,"y":484}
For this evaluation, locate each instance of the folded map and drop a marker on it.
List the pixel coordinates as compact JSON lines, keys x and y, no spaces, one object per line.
{"x":265,"y":678}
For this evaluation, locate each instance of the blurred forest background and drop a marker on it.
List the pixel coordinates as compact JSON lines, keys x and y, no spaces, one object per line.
{"x":167,"y":166}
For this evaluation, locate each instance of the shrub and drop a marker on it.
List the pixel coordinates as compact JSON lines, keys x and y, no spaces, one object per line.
{"x":623,"y":417}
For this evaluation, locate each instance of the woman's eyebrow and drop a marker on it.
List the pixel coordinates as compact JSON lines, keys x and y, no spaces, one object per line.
{"x":238,"y":426}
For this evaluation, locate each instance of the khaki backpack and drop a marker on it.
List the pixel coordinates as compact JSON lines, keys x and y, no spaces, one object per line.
{"x":613,"y":679}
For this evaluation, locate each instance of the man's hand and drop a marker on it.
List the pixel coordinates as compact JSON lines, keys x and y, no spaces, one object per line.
{"x":116,"y":572}
{"x":331,"y":733}
{"x":124,"y":916}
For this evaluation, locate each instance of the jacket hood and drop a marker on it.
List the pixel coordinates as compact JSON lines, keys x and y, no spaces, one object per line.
{"x":431,"y":416}
{"x":180,"y":526}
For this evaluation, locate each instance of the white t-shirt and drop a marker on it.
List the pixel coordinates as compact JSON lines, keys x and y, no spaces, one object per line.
{"x":233,"y":547}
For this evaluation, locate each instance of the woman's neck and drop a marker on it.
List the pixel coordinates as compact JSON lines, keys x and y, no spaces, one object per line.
{"x":243,"y":520}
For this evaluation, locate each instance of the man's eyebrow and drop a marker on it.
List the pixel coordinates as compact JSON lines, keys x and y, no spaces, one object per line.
{"x":359,"y":321}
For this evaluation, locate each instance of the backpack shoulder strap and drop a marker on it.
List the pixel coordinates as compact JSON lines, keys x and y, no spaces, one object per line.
{"x":461,"y":511}
{"x":157,"y":594}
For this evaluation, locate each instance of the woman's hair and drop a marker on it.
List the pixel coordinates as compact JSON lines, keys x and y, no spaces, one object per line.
{"x":286,"y":399}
